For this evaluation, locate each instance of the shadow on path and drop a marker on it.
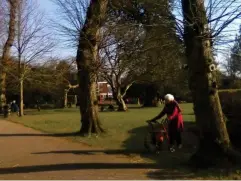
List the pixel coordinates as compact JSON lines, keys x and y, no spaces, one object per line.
{"x":41,"y":134}
{"x":92,"y":166}
{"x":76,"y":166}
{"x":166,"y":165}
{"x":94,"y":152}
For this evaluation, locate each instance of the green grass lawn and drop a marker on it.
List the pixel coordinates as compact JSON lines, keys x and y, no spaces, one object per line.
{"x":125,"y":134}
{"x":120,"y":126}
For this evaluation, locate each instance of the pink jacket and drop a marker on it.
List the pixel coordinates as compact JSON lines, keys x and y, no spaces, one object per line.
{"x":173,"y":112}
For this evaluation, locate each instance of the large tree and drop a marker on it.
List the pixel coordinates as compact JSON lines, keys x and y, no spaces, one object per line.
{"x":120,"y":58}
{"x":66,"y":78}
{"x":6,"y":49}
{"x":83,"y":22}
{"x":32,"y":42}
{"x":233,"y":64}
{"x":159,"y":50}
{"x":88,"y":61}
{"x":214,"y":138}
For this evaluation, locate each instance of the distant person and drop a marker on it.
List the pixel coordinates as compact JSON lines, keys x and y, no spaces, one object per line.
{"x":14,"y":107}
{"x":127,"y":101}
{"x":175,"y":121}
{"x":11,"y":106}
{"x":38,"y":105}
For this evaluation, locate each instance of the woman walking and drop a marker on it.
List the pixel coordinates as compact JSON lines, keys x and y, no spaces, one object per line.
{"x":175,"y":121}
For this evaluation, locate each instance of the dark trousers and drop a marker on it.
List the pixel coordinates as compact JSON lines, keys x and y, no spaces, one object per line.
{"x":174,"y":135}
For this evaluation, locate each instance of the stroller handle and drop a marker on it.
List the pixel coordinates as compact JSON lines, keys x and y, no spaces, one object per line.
{"x":163,"y":121}
{"x":149,"y":121}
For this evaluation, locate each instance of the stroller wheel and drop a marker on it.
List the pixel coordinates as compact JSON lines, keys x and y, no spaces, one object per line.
{"x":148,"y":143}
{"x":159,"y":145}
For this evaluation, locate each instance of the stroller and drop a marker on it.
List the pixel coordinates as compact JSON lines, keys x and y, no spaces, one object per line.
{"x":157,"y":134}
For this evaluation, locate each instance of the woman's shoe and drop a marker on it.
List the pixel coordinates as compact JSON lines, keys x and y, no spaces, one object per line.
{"x":172,"y":150}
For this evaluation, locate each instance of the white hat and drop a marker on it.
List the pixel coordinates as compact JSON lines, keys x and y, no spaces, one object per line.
{"x":169,"y":97}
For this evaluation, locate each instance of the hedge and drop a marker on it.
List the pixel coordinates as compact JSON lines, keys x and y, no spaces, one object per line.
{"x":231,"y":103}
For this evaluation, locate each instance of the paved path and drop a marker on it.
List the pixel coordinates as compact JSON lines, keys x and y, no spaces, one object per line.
{"x":29,"y":154}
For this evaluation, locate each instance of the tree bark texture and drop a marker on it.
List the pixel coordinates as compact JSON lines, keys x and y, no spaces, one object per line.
{"x":6,"y":50}
{"x":21,"y":98}
{"x":214,"y":138}
{"x":119,"y":93}
{"x":20,"y":65}
{"x":119,"y":100}
{"x":87,"y":62}
{"x":66,"y":98}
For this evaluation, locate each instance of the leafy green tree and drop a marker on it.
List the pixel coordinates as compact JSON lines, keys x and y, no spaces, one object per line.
{"x":234,"y":62}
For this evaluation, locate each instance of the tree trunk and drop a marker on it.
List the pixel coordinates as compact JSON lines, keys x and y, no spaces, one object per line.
{"x":75,"y":99}
{"x":87,"y":62}
{"x":120,"y":101}
{"x":6,"y":51}
{"x":122,"y":105}
{"x":20,"y":66}
{"x":66,"y":98}
{"x":21,"y":97}
{"x":118,"y":95}
{"x":89,"y":111}
{"x":214,"y":138}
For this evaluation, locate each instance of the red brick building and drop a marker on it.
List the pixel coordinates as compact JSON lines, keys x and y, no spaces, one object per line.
{"x":104,"y":90}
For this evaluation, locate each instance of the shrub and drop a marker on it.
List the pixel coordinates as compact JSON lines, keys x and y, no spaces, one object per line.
{"x":231,"y":103}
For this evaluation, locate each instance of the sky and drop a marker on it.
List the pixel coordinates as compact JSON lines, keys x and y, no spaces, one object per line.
{"x":50,"y":10}
{"x":63,"y":51}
